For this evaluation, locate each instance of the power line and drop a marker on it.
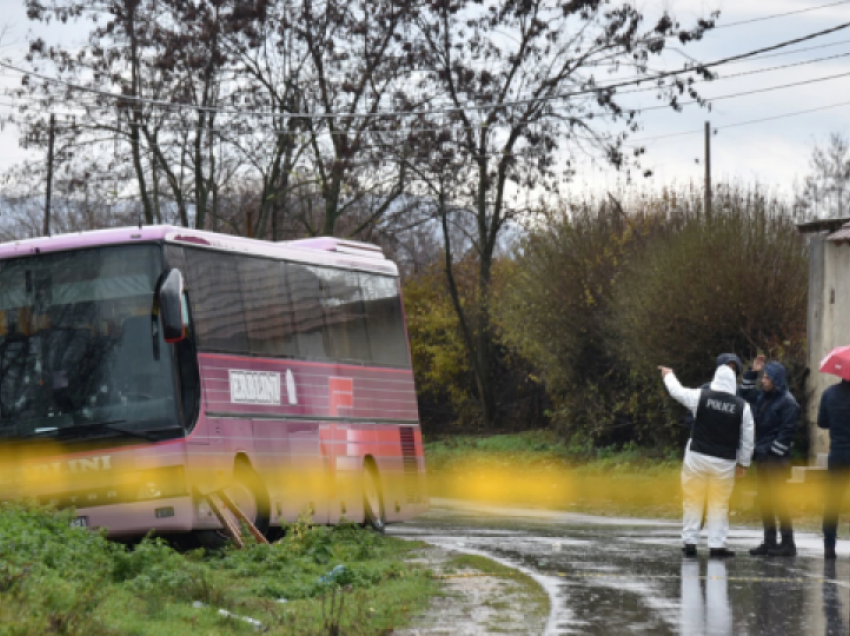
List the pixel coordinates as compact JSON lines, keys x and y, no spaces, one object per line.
{"x":754,"y":91}
{"x":740,"y":123}
{"x":757,"y":71}
{"x":628,"y":92}
{"x":780,"y":15}
{"x":455,"y":127}
{"x":444,"y":111}
{"x":795,"y":51}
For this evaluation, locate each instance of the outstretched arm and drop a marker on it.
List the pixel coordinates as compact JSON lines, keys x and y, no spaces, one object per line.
{"x":689,"y":398}
{"x":748,"y":383}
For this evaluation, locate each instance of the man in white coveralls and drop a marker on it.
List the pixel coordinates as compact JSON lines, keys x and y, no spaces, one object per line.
{"x":720,"y":448}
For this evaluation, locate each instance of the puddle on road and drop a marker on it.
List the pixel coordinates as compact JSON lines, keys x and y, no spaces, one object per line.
{"x":616,"y":580}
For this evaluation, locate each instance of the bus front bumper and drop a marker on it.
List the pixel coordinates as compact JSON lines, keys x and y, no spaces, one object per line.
{"x":162,"y":516}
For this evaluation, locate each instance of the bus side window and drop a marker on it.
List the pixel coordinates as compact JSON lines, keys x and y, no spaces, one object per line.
{"x":219,"y":317}
{"x":385,"y":320}
{"x":268,"y":308}
{"x":345,"y":315}
{"x":309,"y":314}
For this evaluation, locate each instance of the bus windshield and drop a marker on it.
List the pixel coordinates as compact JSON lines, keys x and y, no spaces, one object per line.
{"x":81,"y":352}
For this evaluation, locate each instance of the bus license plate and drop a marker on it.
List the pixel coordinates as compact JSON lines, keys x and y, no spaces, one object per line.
{"x":80,"y":522}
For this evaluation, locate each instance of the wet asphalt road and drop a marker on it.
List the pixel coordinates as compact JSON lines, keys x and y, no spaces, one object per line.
{"x":627,"y":576}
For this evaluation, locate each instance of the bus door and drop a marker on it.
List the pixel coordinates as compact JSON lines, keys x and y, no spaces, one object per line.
{"x":307,"y":472}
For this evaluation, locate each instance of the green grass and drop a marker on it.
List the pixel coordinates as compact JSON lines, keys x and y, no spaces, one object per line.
{"x":59,"y":580}
{"x":541,"y":448}
{"x":539,"y":468}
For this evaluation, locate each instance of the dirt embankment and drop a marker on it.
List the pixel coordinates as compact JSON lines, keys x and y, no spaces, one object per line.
{"x":479,"y":596}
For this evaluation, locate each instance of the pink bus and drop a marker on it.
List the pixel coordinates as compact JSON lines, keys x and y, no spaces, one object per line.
{"x":143,"y":368}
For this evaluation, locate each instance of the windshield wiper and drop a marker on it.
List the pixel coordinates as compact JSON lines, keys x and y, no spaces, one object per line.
{"x":110,"y":425}
{"x":80,"y":430}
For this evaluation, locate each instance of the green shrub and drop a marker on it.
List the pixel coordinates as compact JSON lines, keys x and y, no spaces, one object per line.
{"x":601,"y":295}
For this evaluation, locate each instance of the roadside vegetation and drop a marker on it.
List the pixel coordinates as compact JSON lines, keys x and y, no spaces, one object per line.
{"x":55,"y":579}
{"x":539,"y":469}
{"x":596,"y":294}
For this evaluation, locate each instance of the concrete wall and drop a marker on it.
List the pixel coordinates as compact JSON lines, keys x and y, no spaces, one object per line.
{"x":828,"y":321}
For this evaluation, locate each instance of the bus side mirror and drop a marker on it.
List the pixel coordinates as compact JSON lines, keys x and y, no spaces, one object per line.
{"x":170,"y":306}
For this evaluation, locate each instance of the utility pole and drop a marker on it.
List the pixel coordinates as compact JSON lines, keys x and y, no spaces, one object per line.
{"x":707,"y":170}
{"x":49,"y":174}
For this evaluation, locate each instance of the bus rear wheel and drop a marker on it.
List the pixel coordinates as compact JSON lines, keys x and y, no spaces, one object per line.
{"x":373,"y":503}
{"x":248,"y":494}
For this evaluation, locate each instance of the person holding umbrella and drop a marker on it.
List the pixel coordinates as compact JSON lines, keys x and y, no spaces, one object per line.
{"x":834,"y":416}
{"x":776,"y":412}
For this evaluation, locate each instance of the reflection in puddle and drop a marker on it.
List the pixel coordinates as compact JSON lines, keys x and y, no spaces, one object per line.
{"x":705,"y":605}
{"x":605,"y":579}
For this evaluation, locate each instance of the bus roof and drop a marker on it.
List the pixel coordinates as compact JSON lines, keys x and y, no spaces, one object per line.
{"x":321,"y":250}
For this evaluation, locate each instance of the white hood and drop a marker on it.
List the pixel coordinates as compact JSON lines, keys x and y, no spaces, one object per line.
{"x":724,"y":380}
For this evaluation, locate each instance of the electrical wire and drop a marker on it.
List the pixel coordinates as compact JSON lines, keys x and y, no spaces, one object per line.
{"x":456,"y":128}
{"x":780,"y":15}
{"x":770,"y":69}
{"x":749,"y":122}
{"x":444,"y":111}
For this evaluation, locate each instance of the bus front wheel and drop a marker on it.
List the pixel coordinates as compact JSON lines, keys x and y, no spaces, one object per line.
{"x":373,"y":504}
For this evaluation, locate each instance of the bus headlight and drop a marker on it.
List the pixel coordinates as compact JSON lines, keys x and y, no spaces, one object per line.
{"x":161,"y":483}
{"x":150,"y":490}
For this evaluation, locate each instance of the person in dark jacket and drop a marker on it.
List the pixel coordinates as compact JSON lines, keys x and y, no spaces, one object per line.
{"x":834,"y":415}
{"x":733,"y":362}
{"x":776,"y":412}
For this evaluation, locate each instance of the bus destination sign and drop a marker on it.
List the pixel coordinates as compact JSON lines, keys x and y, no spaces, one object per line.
{"x":254,"y":387}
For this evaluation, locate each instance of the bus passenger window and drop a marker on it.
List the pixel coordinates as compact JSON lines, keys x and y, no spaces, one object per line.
{"x":385,"y":320}
{"x":345,"y":315}
{"x":217,"y":302}
{"x":306,"y":291}
{"x":268,"y":310}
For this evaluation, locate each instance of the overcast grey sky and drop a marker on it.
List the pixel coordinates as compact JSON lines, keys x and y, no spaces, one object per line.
{"x":774,"y":153}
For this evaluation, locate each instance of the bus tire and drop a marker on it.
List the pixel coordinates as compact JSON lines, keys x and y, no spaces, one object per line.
{"x":373,"y":501}
{"x":248,"y":493}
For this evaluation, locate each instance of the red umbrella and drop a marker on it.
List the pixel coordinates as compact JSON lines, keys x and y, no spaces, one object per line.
{"x":837,"y":362}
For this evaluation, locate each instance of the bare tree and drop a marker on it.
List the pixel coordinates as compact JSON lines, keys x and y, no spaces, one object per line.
{"x":359,"y":61}
{"x":142,"y":56}
{"x":536,"y":72}
{"x":826,"y":190}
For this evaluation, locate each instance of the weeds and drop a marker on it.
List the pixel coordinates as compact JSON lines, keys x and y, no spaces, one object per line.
{"x":59,"y":580}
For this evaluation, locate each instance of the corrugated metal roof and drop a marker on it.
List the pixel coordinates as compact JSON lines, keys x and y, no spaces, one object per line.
{"x":840,"y":236}
{"x":822,"y":225}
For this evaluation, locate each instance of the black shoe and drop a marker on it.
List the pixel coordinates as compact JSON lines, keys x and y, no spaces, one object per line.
{"x":829,"y":552}
{"x":690,"y":550}
{"x":783,"y":550}
{"x":720,"y":553}
{"x":763,"y":550}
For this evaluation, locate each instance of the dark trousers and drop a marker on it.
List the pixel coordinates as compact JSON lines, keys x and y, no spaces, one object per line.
{"x":838,"y":476}
{"x":772,"y":475}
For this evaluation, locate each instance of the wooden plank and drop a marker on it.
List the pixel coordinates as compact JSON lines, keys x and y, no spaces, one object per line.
{"x":241,"y":517}
{"x":229,"y":526}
